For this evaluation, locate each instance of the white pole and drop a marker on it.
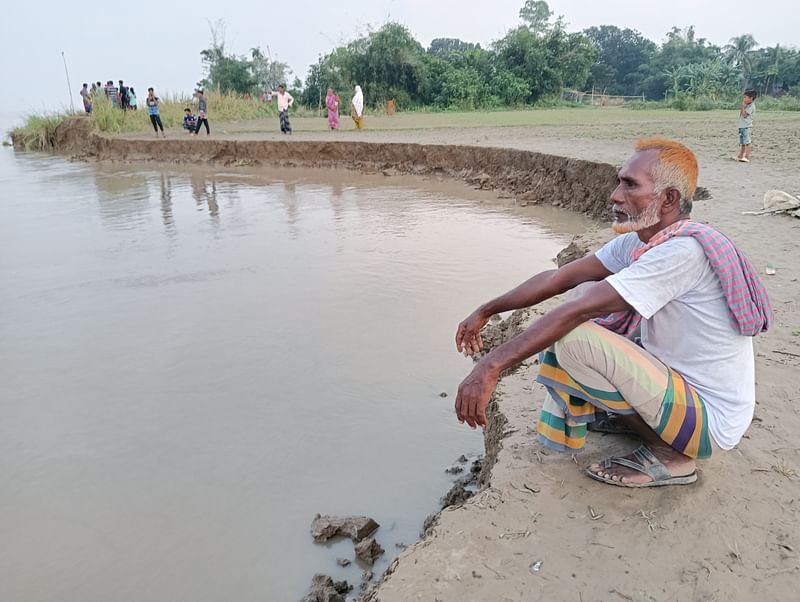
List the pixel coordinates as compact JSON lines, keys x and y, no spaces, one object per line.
{"x":69,"y":85}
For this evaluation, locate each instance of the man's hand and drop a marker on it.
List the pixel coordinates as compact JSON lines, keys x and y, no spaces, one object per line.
{"x":468,"y":333}
{"x":473,"y":396}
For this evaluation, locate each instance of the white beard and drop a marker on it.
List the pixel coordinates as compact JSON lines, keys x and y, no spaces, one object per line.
{"x":648,"y":218}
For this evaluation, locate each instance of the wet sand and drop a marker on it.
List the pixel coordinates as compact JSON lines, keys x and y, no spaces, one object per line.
{"x":735,"y":534}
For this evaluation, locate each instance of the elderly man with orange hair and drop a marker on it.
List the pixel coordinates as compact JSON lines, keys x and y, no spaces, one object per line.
{"x":660,"y":342}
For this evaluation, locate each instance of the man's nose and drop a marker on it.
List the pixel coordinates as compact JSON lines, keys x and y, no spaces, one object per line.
{"x":616,"y":195}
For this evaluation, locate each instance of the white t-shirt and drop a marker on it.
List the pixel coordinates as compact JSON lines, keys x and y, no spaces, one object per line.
{"x":687,"y":325}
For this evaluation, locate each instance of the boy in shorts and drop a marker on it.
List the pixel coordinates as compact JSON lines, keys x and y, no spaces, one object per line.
{"x":746,"y":110}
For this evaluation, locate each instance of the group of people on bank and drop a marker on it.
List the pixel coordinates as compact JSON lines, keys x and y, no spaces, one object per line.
{"x":332,"y":105}
{"x":121,"y":97}
{"x":124,"y":97}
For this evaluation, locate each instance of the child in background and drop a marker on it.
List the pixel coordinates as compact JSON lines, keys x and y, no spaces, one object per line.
{"x":189,"y":120}
{"x":746,"y":110}
{"x":133,"y":103}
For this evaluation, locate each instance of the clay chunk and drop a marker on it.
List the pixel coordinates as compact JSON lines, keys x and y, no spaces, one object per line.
{"x":369,"y":550}
{"x":325,"y":589}
{"x":355,"y":527}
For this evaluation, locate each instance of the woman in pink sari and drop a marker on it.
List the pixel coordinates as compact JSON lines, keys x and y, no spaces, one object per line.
{"x":332,"y":102}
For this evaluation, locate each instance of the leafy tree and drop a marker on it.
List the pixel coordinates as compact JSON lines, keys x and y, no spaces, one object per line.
{"x":445,"y":47}
{"x":681,"y":47}
{"x":268,"y":74}
{"x":620,"y":55}
{"x":546,"y":63}
{"x":536,"y":15}
{"x":602,"y":77}
{"x":223,"y":71}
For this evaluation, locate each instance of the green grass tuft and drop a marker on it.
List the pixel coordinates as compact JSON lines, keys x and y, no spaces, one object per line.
{"x":38,"y":132}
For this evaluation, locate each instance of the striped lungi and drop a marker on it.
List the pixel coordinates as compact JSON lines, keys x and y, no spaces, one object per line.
{"x":593,"y":369}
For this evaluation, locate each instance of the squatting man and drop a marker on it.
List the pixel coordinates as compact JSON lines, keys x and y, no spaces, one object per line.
{"x":659,"y":344}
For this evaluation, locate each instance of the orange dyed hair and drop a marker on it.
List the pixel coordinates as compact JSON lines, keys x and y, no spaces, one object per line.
{"x":676,"y":168}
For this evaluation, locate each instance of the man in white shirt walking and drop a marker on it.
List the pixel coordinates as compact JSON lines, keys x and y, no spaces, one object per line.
{"x":285,"y":100}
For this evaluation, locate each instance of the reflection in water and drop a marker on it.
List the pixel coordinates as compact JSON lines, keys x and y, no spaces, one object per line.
{"x":172,"y":406}
{"x":205,"y":195}
{"x":289,"y":200}
{"x":166,"y":205}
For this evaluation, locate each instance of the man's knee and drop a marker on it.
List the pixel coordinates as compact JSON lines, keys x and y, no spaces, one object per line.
{"x":566,"y":349}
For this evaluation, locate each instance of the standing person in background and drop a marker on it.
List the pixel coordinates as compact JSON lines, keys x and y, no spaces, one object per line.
{"x":390,"y":107}
{"x":154,"y":112}
{"x":123,"y":96}
{"x":285,"y":100}
{"x":357,"y":112}
{"x":87,"y":98}
{"x":202,"y":113}
{"x":332,"y":103}
{"x":113,"y":94}
{"x":133,"y":103}
{"x":746,"y":110}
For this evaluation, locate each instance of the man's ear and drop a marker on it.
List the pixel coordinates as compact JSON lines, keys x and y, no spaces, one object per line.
{"x":672,"y":200}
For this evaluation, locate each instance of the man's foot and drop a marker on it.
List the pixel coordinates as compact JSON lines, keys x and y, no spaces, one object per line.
{"x":609,"y":424}
{"x":646,"y":467}
{"x":744,"y":159}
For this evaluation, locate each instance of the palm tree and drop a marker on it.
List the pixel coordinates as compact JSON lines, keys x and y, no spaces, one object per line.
{"x":738,"y":53}
{"x":774,"y":56}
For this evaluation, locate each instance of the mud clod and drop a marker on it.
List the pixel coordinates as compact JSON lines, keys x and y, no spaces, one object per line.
{"x":355,"y":527}
{"x":457,"y":495}
{"x":570,"y":253}
{"x":430,"y":521}
{"x":325,"y":589}
{"x":369,"y":550}
{"x":497,"y":333}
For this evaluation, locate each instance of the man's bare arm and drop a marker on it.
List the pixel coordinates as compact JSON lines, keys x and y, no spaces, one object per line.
{"x":475,"y":390}
{"x":541,"y":287}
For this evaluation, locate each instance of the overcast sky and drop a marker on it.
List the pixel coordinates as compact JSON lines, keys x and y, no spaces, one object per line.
{"x":158,"y":43}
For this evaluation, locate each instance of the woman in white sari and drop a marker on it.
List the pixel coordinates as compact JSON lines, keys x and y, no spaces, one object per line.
{"x":357,"y":112}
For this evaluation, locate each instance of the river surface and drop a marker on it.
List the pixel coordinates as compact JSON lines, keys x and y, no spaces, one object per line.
{"x":193,"y":364}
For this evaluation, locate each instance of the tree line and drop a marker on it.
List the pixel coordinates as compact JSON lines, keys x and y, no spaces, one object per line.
{"x":534,"y":61}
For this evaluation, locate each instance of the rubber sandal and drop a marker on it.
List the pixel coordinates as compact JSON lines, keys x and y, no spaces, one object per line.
{"x":605,"y":423}
{"x":646,"y":463}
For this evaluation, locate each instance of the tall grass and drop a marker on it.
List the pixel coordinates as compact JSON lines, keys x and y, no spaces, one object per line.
{"x":38,"y":132}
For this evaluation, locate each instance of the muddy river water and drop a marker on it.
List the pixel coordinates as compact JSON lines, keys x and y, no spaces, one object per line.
{"x":193,"y":364}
